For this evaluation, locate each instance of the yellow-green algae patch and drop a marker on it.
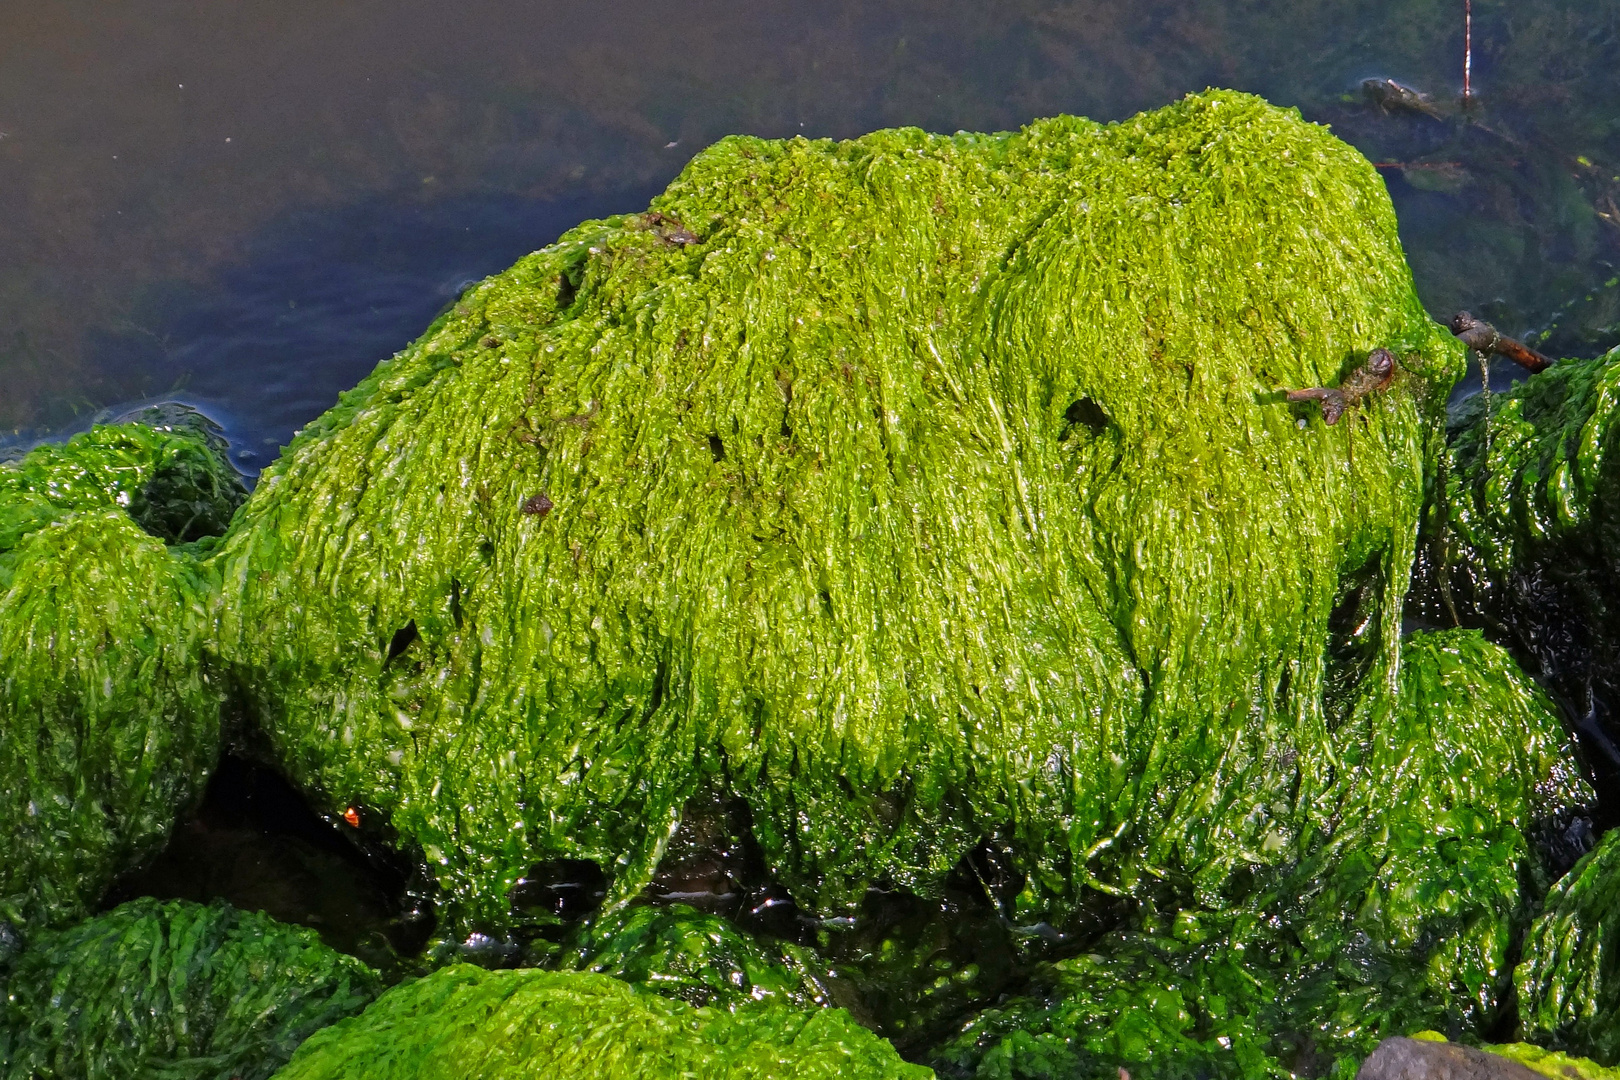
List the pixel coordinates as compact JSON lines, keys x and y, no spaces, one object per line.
{"x":465,"y":1023}
{"x":109,"y":720}
{"x":942,"y":486}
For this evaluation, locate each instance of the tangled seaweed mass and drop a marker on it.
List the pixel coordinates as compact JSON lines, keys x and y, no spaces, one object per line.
{"x":936,"y":507}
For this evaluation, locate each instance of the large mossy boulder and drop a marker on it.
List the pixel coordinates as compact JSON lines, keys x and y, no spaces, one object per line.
{"x":174,"y":990}
{"x":909,"y":488}
{"x":109,"y":717}
{"x":465,"y":1023}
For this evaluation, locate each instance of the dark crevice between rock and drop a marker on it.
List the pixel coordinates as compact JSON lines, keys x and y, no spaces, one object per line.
{"x":255,"y":842}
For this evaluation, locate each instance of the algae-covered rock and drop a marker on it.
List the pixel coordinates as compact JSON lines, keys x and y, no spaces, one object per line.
{"x":168,"y":472}
{"x":109,"y":721}
{"x":465,"y":1023}
{"x":1404,"y":918}
{"x":909,"y":489}
{"x":1428,"y":1054}
{"x":176,"y":990}
{"x":1569,"y":988}
{"x":1523,"y":538}
{"x":1552,"y":1063}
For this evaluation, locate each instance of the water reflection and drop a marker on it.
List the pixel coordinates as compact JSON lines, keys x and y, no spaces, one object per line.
{"x":252,"y":204}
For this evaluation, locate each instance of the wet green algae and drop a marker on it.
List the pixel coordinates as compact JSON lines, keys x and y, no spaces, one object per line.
{"x":566,"y":1025}
{"x":109,"y":722}
{"x":1406,"y":920}
{"x":175,"y":990}
{"x":943,"y":488}
{"x":905,"y":506}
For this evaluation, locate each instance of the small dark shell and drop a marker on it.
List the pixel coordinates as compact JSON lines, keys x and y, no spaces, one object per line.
{"x":538,"y":504}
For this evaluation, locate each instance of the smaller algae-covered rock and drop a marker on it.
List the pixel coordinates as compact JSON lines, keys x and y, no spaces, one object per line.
{"x":109,"y":721}
{"x":1569,"y":988}
{"x":465,"y":1023}
{"x":172,"y":989}
{"x":1427,"y":1055}
{"x":1404,"y":916}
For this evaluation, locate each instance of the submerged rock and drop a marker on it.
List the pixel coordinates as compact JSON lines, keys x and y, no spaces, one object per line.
{"x":173,"y":989}
{"x":465,"y":1023}
{"x":937,"y":487}
{"x":109,"y":718}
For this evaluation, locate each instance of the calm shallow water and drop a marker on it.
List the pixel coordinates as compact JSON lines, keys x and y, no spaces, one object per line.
{"x":248,"y":207}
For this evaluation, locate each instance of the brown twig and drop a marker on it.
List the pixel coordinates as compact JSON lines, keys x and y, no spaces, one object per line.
{"x":1484,"y":338}
{"x":1372,"y":376}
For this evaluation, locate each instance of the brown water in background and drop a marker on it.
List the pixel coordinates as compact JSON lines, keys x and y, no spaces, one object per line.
{"x":247,"y":205}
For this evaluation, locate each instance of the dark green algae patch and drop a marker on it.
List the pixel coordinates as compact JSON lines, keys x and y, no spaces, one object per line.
{"x":175,"y":990}
{"x":922,"y":496}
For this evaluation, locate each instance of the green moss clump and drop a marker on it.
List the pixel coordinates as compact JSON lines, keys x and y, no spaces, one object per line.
{"x":1405,"y":918}
{"x":469,"y":1024}
{"x":175,"y":990}
{"x":905,"y":506}
{"x":1569,"y":989}
{"x":682,"y":953}
{"x":109,"y":719}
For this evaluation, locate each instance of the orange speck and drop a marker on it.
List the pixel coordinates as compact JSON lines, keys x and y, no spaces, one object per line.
{"x":352,"y":816}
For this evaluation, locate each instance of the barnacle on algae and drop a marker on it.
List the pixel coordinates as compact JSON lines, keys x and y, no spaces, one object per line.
{"x":109,"y":722}
{"x":942,"y":488}
{"x":465,"y":1022}
{"x":175,"y":989}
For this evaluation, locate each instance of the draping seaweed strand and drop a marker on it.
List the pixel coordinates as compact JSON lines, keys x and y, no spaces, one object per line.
{"x":172,"y":989}
{"x":465,"y":1022}
{"x":109,"y":722}
{"x":828,"y":521}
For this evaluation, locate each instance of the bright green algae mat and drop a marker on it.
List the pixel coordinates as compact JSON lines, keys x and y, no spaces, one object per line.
{"x":907,"y":505}
{"x":1405,"y":919}
{"x":465,"y":1023}
{"x":175,"y":990}
{"x":109,"y":721}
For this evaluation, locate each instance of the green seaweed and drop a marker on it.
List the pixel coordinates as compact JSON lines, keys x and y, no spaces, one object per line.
{"x":680,"y":952}
{"x":1404,"y":919}
{"x":906,"y":506}
{"x":176,"y":990}
{"x":1568,"y":987}
{"x":466,"y":1023}
{"x":109,"y":719}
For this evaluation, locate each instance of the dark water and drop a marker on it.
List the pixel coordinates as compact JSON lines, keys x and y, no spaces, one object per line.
{"x":246,"y":206}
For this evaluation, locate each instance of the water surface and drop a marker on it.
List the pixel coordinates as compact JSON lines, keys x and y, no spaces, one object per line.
{"x":247,"y":206}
